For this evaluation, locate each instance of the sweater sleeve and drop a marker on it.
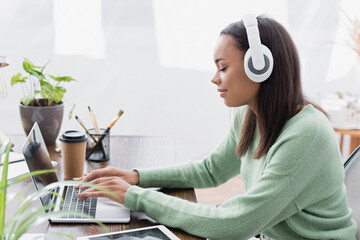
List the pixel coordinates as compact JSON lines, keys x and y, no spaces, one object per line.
{"x":218,"y":167}
{"x":269,"y":201}
{"x":238,"y":218}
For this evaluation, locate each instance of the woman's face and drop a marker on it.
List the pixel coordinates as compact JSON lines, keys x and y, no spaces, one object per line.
{"x":230,"y":78}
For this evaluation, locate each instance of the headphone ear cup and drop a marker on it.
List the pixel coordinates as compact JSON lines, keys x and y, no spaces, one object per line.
{"x":262,"y":74}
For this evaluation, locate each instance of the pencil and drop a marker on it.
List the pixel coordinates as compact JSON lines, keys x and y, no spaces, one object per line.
{"x":106,"y":131}
{"x":86,"y":130}
{"x":93,"y":119}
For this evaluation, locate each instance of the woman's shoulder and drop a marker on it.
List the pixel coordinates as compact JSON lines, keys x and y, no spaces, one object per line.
{"x":306,"y":141}
{"x":308,"y":129}
{"x":309,"y":122}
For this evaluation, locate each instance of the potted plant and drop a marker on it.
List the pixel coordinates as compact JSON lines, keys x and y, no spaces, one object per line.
{"x":26,"y":216}
{"x":42,"y":100}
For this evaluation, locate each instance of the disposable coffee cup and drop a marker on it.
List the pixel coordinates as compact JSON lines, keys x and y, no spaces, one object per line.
{"x":73,"y":149}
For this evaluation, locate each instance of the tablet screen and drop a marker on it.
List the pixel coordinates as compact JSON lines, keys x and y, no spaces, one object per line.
{"x":145,"y":234}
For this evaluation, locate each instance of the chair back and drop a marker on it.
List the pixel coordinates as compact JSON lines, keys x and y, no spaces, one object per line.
{"x":352,"y":182}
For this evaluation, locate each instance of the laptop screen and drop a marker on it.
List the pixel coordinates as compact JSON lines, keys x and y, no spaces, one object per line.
{"x":37,"y":158}
{"x":352,"y":182}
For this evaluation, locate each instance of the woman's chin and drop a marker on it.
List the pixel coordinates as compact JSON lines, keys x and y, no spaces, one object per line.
{"x":232,"y":104}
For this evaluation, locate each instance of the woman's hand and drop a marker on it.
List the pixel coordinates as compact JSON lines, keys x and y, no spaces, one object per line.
{"x":117,"y":181}
{"x":116,"y":186}
{"x":128,"y":176}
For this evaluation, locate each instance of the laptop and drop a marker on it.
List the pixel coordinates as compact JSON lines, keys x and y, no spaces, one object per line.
{"x":103,"y":209}
{"x":352,"y":182}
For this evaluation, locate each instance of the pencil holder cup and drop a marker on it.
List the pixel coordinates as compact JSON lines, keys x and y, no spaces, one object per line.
{"x":98,"y":146}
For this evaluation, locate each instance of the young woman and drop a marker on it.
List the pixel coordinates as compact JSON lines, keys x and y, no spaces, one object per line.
{"x":282,"y":145}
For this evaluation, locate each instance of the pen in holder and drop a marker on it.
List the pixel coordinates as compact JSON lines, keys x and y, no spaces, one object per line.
{"x":102,"y":149}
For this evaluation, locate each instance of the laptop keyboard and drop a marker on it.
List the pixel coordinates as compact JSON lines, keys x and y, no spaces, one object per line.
{"x":72,"y":203}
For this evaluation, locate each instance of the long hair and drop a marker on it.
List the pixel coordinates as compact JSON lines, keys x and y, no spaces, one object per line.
{"x":280,"y":96}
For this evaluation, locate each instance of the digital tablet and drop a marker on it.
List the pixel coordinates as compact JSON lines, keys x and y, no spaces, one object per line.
{"x":158,"y":232}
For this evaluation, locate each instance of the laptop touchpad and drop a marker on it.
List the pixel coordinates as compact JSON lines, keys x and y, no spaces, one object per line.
{"x":108,"y":209}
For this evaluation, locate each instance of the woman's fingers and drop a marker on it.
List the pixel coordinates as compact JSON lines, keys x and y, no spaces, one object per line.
{"x":128,"y":176}
{"x":107,"y":183}
{"x":80,"y":179}
{"x":92,"y":193}
{"x":76,"y":179}
{"x":115,"y":189}
{"x":91,"y":176}
{"x":95,"y":182}
{"x":98,"y":173}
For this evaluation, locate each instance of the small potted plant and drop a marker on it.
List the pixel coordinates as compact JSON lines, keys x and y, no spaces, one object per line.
{"x":42,"y":100}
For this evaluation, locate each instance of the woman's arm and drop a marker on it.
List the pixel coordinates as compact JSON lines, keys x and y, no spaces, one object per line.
{"x":218,"y":167}
{"x":239,"y":218}
{"x":303,"y":169}
{"x":265,"y":204}
{"x":215,"y":169}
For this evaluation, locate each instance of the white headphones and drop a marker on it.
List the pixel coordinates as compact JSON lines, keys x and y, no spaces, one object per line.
{"x":258,"y":60}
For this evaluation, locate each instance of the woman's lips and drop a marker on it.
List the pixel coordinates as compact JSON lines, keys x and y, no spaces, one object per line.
{"x":222,"y":92}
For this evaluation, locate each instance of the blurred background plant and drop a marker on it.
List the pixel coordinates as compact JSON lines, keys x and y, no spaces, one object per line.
{"x":344,"y":106}
{"x":27,"y":216}
{"x":354,"y":31}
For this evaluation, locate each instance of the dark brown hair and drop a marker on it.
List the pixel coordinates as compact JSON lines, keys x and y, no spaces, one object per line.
{"x":281,"y":95}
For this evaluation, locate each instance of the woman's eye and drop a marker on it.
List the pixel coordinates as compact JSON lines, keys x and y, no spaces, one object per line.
{"x":222,"y":69}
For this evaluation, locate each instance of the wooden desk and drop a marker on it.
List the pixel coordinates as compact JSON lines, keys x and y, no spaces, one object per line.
{"x":354,"y":138}
{"x":126,"y":152}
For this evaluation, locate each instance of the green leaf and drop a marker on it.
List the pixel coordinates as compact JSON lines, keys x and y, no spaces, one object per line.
{"x":3,"y":184}
{"x":43,"y":67}
{"x":47,"y":90}
{"x":20,"y":196}
{"x":45,"y":217}
{"x":28,"y":218}
{"x":62,"y":79}
{"x":29,"y":98}
{"x":26,"y":202}
{"x":36,"y":74}
{"x":27,"y":175}
{"x":59,"y":93}
{"x":31,"y":69}
{"x":29,"y":64}
{"x":71,"y":111}
{"x":17,"y":79}
{"x":27,"y":223}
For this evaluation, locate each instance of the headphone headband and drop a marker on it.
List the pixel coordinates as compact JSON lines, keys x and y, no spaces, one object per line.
{"x":253,"y":35}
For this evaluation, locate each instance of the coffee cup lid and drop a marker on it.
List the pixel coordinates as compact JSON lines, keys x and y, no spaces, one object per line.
{"x":73,"y":136}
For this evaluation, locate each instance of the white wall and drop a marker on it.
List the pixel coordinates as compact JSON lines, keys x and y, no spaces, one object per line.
{"x":156,"y":100}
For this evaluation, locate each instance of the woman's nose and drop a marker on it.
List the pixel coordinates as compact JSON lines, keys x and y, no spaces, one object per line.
{"x":215,"y":79}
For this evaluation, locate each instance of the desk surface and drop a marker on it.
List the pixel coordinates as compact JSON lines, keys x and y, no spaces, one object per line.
{"x":125,"y":152}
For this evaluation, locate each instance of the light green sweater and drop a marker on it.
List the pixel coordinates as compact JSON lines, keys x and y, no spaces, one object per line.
{"x":296,"y":191}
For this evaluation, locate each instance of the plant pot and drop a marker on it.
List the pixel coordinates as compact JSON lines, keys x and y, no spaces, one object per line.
{"x":49,"y":119}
